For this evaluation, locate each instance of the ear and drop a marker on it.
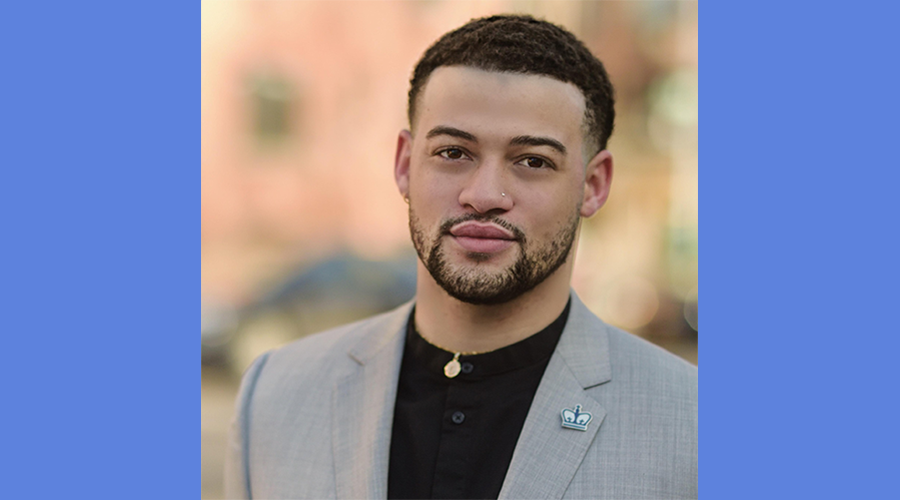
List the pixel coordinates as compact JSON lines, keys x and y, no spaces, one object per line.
{"x":401,"y":162}
{"x":597,"y":180}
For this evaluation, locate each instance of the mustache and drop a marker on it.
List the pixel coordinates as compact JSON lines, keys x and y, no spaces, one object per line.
{"x":518,"y":234}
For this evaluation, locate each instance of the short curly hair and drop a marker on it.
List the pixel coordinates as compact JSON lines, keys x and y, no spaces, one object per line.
{"x":523,"y":44}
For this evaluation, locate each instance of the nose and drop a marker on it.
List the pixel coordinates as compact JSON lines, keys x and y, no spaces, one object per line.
{"x":487,"y":188}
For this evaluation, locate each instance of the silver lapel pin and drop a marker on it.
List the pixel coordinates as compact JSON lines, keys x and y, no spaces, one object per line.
{"x":575,"y":419}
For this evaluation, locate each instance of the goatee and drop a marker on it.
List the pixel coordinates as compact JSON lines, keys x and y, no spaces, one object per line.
{"x":535,"y":263}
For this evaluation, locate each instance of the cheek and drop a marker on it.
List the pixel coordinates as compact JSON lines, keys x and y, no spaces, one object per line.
{"x":435,"y":193}
{"x":555,"y":202}
{"x":430,"y":206}
{"x":432,"y":192}
{"x":552,"y":211}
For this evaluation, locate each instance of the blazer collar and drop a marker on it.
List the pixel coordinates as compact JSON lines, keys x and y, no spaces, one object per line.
{"x":578,"y":345}
{"x":363,"y":408}
{"x":386,"y":330}
{"x":584,"y":346}
{"x":547,"y":454}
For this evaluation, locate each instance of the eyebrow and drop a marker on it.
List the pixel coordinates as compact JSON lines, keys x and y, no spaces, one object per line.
{"x":452,"y":132}
{"x":529,"y":140}
{"x":521,"y":140}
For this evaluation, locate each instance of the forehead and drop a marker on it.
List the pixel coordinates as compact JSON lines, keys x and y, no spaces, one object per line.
{"x":490,"y":103}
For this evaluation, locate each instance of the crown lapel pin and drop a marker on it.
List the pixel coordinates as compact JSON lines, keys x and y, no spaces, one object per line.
{"x":575,"y":419}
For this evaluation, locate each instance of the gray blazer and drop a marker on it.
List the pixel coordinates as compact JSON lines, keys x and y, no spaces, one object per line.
{"x":314,"y":418}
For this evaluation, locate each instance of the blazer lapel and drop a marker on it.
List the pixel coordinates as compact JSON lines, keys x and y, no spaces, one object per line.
{"x":362,"y":412}
{"x":547,"y":454}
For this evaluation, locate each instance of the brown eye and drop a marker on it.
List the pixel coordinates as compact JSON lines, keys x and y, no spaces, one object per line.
{"x":452,"y":154}
{"x":534,"y":162}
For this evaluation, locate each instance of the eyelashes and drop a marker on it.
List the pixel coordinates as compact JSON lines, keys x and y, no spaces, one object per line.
{"x":453,"y":154}
{"x":532,"y":162}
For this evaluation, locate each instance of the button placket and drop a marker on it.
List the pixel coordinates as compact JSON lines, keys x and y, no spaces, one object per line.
{"x":456,"y":438}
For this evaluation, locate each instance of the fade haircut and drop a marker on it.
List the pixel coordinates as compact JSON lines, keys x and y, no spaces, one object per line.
{"x":523,"y":44}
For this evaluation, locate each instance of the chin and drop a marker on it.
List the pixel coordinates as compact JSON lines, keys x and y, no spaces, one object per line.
{"x":479,"y":257}
{"x":500,"y":260}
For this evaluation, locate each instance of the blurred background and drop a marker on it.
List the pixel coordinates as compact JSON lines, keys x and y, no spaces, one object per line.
{"x":302,"y":225}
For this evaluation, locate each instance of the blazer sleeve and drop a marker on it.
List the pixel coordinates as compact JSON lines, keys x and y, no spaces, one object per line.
{"x":237,"y":464}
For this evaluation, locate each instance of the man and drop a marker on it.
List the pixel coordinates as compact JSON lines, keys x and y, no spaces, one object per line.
{"x":496,"y":381}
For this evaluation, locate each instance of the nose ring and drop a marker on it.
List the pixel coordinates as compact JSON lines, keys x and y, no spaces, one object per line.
{"x":502,"y":194}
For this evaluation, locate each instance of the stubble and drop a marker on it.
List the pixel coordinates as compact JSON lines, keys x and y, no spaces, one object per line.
{"x":474,"y":284}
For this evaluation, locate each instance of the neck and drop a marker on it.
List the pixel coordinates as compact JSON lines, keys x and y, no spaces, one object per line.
{"x":461,"y":327}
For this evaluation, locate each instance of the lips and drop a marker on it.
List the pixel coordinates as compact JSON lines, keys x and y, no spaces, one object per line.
{"x":480,"y":230}
{"x":482,"y":238}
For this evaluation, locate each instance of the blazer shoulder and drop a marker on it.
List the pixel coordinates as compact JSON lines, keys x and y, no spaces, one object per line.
{"x":635,"y":359}
{"x":332,"y":351}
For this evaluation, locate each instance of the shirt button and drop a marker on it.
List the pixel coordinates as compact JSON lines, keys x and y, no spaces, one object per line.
{"x":458,"y":417}
{"x":467,"y":367}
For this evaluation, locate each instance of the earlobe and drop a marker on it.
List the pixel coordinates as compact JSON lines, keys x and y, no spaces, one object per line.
{"x":597,"y":181}
{"x":401,"y":162}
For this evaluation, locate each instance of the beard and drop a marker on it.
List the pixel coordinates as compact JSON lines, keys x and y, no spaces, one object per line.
{"x":534,"y":264}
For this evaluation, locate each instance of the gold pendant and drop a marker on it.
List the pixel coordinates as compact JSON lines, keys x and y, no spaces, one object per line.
{"x":452,"y":368}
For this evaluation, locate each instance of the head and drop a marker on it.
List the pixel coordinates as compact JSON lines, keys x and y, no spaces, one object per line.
{"x":509,"y":121}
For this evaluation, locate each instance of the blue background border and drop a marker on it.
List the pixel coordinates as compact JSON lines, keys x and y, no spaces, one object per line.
{"x":101,"y":183}
{"x":101,"y":154}
{"x":798,"y":225}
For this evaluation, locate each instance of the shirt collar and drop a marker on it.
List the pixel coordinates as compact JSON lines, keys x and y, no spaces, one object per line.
{"x":532,"y":350}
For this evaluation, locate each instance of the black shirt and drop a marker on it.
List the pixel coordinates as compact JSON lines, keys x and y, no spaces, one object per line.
{"x":454,"y":438}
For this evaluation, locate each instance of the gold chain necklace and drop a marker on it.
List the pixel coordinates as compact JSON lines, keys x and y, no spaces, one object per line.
{"x":452,"y":368}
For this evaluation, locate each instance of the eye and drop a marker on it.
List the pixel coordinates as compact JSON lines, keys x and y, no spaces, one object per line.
{"x":536,"y":162}
{"x":453,"y":154}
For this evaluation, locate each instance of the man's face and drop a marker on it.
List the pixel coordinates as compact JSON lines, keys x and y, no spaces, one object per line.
{"x":496,"y":180}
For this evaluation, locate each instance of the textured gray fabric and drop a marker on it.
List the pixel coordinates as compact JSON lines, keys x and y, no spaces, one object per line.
{"x":313,"y":418}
